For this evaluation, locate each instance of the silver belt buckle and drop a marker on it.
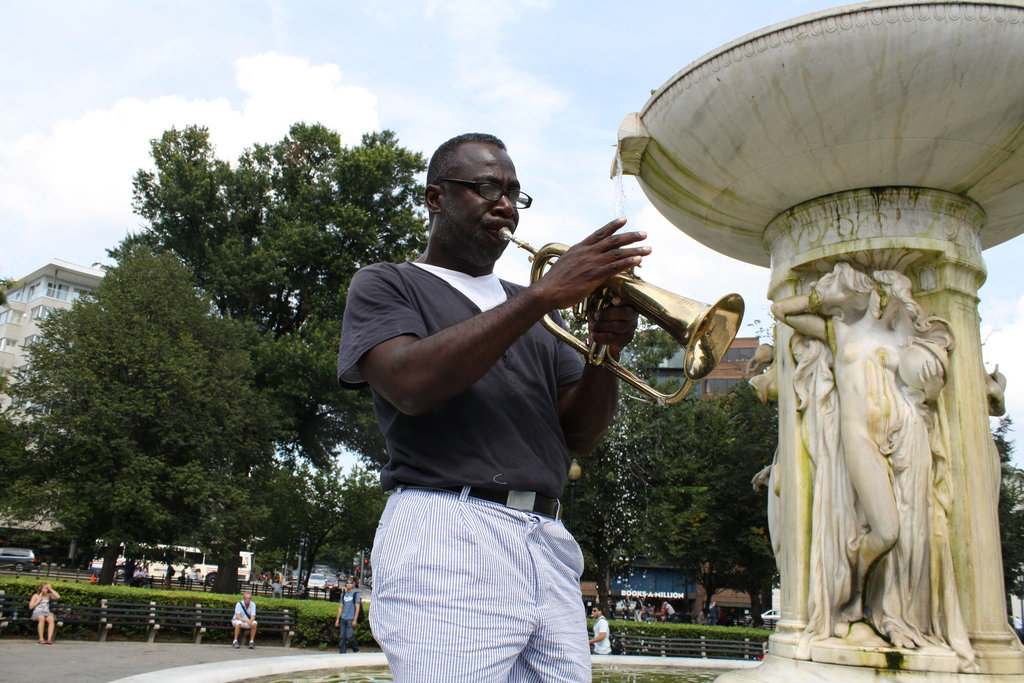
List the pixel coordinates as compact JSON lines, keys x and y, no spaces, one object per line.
{"x":521,"y":500}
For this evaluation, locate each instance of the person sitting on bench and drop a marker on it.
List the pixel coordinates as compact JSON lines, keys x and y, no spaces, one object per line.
{"x":245,"y":617}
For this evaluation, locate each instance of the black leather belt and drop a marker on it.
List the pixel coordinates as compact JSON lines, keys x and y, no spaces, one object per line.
{"x":527,"y":501}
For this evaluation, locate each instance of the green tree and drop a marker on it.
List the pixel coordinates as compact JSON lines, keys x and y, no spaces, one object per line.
{"x":275,"y":240}
{"x":144,"y":421}
{"x":703,"y":514}
{"x":756,"y":425}
{"x":606,"y":517}
{"x":12,"y":445}
{"x":612,"y":494}
{"x":314,"y":509}
{"x":1011,"y":510}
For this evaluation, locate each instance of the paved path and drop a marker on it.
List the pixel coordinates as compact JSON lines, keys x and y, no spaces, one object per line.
{"x":83,"y":661}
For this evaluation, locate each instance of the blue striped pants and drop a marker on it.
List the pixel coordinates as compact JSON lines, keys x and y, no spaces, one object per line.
{"x":466,"y":590}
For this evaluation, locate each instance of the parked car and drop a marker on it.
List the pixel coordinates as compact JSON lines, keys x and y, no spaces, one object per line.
{"x":771,"y":618}
{"x":317,"y":580}
{"x":331,"y":581}
{"x":19,"y":559}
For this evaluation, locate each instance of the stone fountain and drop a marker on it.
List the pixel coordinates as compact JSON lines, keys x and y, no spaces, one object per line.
{"x":866,"y":154}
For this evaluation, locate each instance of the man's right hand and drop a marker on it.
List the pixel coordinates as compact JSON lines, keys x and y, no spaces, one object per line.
{"x":584,"y":266}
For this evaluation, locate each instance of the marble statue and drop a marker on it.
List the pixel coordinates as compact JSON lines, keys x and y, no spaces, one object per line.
{"x":764,"y":377}
{"x":870,"y":367}
{"x":996,"y":386}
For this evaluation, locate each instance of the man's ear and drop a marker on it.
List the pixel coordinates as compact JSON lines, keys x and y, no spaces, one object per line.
{"x":434,"y":197}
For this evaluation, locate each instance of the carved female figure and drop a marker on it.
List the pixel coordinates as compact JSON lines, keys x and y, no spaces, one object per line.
{"x":870,"y":366}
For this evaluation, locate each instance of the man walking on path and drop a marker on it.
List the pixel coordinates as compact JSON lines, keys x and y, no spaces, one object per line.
{"x":348,"y":615}
{"x":602,"y":640}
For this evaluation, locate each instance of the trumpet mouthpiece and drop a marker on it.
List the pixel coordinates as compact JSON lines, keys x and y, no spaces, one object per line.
{"x":507,"y":235}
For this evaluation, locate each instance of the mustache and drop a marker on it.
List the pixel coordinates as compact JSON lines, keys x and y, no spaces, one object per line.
{"x":497,"y":225}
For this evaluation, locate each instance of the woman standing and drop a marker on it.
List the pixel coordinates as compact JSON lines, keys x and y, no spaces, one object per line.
{"x":41,"y":614}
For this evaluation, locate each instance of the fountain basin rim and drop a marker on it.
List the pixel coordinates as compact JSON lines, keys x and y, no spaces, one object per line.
{"x":225,"y":672}
{"x":859,"y":96}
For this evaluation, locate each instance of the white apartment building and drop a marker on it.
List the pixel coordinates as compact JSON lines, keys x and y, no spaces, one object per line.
{"x":53,"y":286}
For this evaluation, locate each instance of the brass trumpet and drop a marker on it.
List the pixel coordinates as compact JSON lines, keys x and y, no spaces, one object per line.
{"x":704,"y":331}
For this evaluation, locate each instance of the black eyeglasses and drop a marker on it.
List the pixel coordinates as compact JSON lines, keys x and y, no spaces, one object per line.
{"x":492,"y":192}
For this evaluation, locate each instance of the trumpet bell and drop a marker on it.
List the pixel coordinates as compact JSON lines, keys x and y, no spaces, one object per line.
{"x":704,"y":331}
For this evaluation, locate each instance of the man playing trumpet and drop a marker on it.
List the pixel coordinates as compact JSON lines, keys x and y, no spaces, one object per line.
{"x":475,"y":577}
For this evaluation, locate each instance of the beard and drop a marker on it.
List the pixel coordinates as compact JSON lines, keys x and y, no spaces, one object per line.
{"x":475,"y":244}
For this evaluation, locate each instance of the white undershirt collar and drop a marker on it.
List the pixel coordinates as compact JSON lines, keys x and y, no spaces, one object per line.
{"x":485,"y":291}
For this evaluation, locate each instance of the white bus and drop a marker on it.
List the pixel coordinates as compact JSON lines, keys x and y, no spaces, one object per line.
{"x":184,"y":557}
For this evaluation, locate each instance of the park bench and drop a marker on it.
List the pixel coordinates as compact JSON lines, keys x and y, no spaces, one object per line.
{"x":178,"y":618}
{"x":150,"y":616}
{"x":14,"y":610}
{"x":198,"y":619}
{"x":120,"y":614}
{"x":704,"y":648}
{"x":153,"y":618}
{"x":268,"y":621}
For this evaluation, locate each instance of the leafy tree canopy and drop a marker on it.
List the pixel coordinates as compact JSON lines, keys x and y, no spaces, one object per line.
{"x":316,"y":510}
{"x":702,"y":514}
{"x":1011,"y":510}
{"x":144,"y":421}
{"x":275,"y":240}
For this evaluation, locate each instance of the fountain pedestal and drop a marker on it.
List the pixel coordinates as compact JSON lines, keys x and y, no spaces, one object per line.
{"x":932,"y":237}
{"x":886,"y":136}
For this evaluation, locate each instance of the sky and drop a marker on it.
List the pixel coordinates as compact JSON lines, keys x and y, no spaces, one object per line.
{"x":84,"y":87}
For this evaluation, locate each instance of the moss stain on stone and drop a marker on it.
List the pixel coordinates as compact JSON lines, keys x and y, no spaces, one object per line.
{"x":893,"y":660}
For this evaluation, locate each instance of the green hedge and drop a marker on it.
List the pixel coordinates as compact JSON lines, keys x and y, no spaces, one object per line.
{"x":672,"y":630}
{"x":314,"y":618}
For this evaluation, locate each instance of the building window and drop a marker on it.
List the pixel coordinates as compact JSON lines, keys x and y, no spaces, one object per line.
{"x":79,"y":292}
{"x":40,"y":312}
{"x":14,"y":295}
{"x":719,"y":386}
{"x":31,"y":339}
{"x":11,"y":316}
{"x":7,"y":344}
{"x":57,"y":291}
{"x":735,"y":354}
{"x":31,"y":292}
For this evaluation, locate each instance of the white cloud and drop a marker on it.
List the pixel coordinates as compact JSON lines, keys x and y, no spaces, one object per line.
{"x":487,"y":68}
{"x":70,"y":189}
{"x":283,"y":90}
{"x":517,"y":94}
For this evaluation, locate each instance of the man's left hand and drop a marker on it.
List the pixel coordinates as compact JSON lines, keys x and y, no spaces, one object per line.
{"x":613,"y":327}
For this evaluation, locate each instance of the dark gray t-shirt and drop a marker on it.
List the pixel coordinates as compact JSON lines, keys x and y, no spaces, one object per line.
{"x":503,"y":432}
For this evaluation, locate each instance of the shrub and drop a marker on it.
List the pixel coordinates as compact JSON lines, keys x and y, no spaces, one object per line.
{"x":672,"y":630}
